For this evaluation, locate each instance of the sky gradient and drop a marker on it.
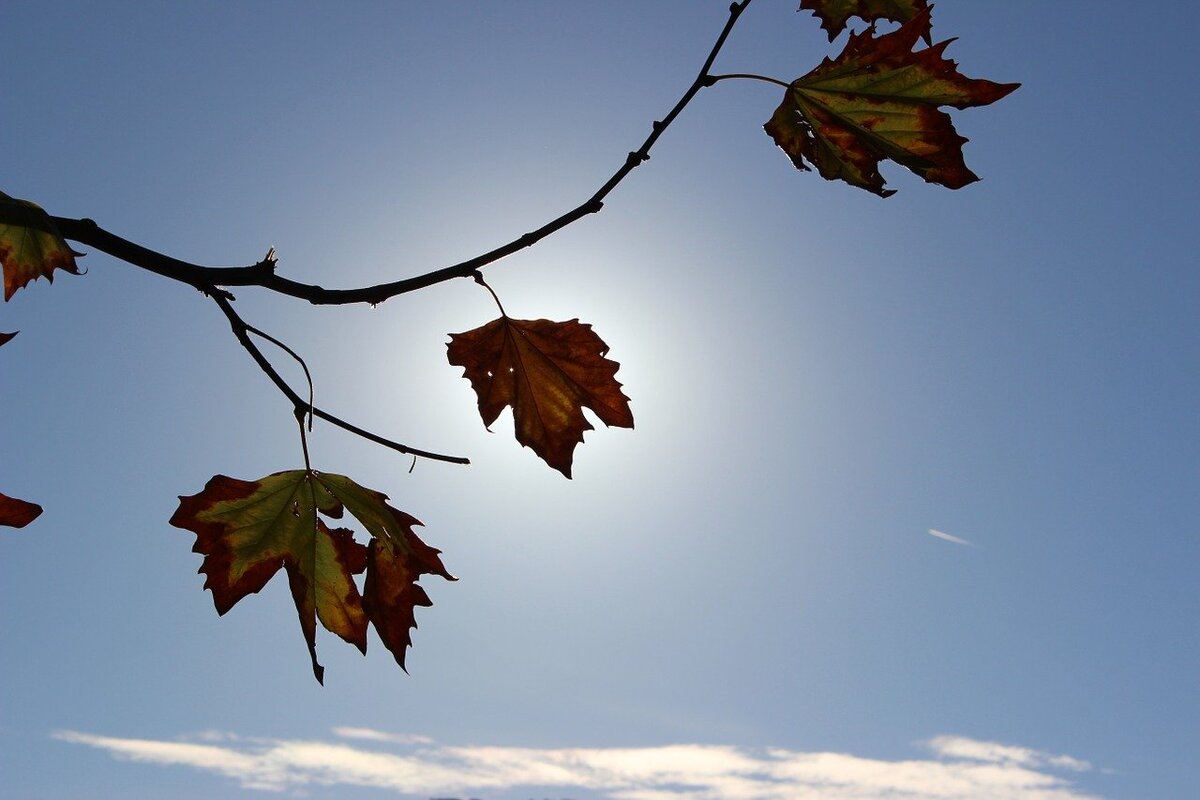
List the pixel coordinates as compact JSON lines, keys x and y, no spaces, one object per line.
{"x":762,"y":591}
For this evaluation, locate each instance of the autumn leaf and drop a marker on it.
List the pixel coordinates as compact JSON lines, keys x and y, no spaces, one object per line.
{"x":391,"y":593}
{"x":547,"y":372}
{"x":879,"y":100}
{"x":834,"y":14}
{"x":247,"y":530}
{"x":31,"y":251}
{"x":17,"y":513}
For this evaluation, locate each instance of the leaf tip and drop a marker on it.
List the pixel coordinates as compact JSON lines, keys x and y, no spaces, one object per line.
{"x":16,"y":513}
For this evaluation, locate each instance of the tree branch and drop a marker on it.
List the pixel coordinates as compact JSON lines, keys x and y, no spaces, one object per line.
{"x":86,"y":231}
{"x":263,"y":274}
{"x":242,"y":331}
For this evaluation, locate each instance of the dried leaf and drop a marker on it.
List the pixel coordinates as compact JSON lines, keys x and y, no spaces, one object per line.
{"x":17,"y":513}
{"x":247,"y":530}
{"x":32,"y":251}
{"x":879,"y":100}
{"x":834,"y":14}
{"x":392,"y":593}
{"x":547,"y":372}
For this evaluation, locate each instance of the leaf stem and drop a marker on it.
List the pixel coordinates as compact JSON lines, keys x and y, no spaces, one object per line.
{"x":750,"y":77}
{"x":479,"y":279}
{"x":304,"y":444}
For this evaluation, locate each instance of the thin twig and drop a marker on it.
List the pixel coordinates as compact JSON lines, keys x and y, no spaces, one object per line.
{"x":241,"y":332}
{"x":299,"y":360}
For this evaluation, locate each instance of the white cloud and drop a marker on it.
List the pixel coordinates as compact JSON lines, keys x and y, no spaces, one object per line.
{"x":961,"y":747}
{"x":961,"y":769}
{"x":949,"y":537}
{"x":250,"y":770}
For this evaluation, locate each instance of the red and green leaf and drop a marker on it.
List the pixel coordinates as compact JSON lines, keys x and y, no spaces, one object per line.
{"x":32,"y":250}
{"x":880,"y":100}
{"x":834,"y":14}
{"x":547,"y":372}
{"x":391,"y":593}
{"x":248,"y":530}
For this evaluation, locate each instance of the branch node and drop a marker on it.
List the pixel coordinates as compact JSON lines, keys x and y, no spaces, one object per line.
{"x":208,"y":290}
{"x":269,"y":261}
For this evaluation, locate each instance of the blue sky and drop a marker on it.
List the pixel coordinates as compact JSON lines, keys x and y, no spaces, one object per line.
{"x":741,"y":597}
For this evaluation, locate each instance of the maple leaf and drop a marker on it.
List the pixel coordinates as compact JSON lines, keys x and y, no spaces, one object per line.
{"x":547,"y":372}
{"x":247,"y":530}
{"x":879,"y":100}
{"x":17,"y":513}
{"x":834,"y":14}
{"x":29,"y":252}
{"x":391,"y":593}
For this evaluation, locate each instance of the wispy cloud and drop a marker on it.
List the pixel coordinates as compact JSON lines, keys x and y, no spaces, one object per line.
{"x":996,"y":753}
{"x":959,"y":769}
{"x":949,"y":537}
{"x":370,"y":735}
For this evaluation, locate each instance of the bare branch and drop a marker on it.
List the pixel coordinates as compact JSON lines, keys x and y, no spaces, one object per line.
{"x":263,"y":273}
{"x":242,"y":331}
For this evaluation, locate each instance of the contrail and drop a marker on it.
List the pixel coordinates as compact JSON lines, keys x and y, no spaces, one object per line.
{"x":950,"y":538}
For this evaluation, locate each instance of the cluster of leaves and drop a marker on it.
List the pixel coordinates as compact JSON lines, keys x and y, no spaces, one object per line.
{"x":879,"y":99}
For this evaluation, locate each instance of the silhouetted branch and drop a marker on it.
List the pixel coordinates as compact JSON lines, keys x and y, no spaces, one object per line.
{"x":263,"y":274}
{"x":86,"y":231}
{"x":210,"y":280}
{"x":242,"y":331}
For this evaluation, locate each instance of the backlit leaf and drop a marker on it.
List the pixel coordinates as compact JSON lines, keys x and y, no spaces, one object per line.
{"x":834,"y":14}
{"x":880,"y":100}
{"x":547,"y":372}
{"x":392,"y":593}
{"x":247,"y":530}
{"x":29,"y":252}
